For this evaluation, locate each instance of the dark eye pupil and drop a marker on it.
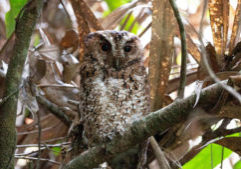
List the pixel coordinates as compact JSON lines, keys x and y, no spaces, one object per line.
{"x":105,"y":47}
{"x":127,"y":48}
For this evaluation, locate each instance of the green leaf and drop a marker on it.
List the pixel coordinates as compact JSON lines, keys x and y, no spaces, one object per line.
{"x":36,"y":40}
{"x":203,"y":159}
{"x":56,"y":150}
{"x":237,"y":165}
{"x":234,"y":135}
{"x":115,"y":4}
{"x":129,"y":23}
{"x":15,"y":7}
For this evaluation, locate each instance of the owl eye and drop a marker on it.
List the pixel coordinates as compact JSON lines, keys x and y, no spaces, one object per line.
{"x":127,"y":48}
{"x":105,"y":47}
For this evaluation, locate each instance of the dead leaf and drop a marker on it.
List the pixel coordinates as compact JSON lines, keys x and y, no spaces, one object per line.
{"x":211,"y":54}
{"x":83,"y":27}
{"x":37,"y":69}
{"x":161,"y":51}
{"x":219,"y":13}
{"x":236,"y":27}
{"x":197,"y":91}
{"x":193,"y":49}
{"x":70,"y":40}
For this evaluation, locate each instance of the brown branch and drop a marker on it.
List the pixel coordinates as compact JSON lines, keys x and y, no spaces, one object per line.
{"x":152,"y":124}
{"x":159,"y":154}
{"x":184,"y":50}
{"x":54,"y":109}
{"x":84,"y":15}
{"x":174,"y":83}
{"x":89,"y":15}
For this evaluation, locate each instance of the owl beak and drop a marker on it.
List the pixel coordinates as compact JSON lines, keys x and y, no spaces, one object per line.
{"x":117,"y":63}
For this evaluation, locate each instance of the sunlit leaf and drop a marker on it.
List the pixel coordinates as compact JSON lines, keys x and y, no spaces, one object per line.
{"x":203,"y":159}
{"x":116,"y":4}
{"x":16,"y":6}
{"x":115,"y":17}
{"x":237,"y":165}
{"x":129,"y":23}
{"x":234,"y":135}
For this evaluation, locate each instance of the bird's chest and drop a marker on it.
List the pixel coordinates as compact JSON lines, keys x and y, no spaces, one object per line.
{"x":116,"y":97}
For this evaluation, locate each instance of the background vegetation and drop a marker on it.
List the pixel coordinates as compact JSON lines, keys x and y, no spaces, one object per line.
{"x":189,"y":45}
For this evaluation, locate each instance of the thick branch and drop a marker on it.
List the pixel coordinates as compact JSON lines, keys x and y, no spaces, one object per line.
{"x":24,"y":27}
{"x":152,"y":124}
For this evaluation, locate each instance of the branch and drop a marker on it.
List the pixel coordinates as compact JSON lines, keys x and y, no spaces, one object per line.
{"x":54,"y":109}
{"x":184,"y":50}
{"x":140,"y":130}
{"x":25,"y":24}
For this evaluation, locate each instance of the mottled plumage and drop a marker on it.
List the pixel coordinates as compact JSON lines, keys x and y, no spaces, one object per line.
{"x":114,"y":87}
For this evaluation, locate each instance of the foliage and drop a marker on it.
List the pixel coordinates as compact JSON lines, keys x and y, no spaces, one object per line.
{"x":114,"y":5}
{"x":209,"y":157}
{"x":10,"y":17}
{"x":48,"y":98}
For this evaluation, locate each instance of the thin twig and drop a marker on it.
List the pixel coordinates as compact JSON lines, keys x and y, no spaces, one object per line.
{"x":202,"y":18}
{"x":35,"y":131}
{"x":181,"y":89}
{"x":41,"y":159}
{"x":55,"y":139}
{"x":3,"y":100}
{"x":144,"y":31}
{"x":135,"y":20}
{"x":32,"y":153}
{"x":66,"y":11}
{"x":159,"y":154}
{"x":43,"y":145}
{"x":57,"y":85}
{"x":39,"y":140}
{"x":222,"y":157}
{"x":55,"y":110}
{"x":125,"y":22}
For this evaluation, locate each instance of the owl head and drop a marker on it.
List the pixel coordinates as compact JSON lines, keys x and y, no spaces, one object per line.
{"x":114,"y":49}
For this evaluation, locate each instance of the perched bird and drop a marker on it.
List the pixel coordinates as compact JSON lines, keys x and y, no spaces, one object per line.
{"x":114,"y":85}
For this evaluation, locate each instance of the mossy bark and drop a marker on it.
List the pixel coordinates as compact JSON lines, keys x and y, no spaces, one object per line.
{"x":25,"y":24}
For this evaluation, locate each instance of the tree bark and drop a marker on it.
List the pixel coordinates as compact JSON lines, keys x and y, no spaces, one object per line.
{"x":25,"y":24}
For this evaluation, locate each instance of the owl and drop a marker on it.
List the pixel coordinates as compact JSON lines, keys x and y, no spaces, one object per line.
{"x":114,"y":85}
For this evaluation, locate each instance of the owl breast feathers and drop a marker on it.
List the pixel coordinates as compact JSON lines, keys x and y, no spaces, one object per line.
{"x":114,"y":86}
